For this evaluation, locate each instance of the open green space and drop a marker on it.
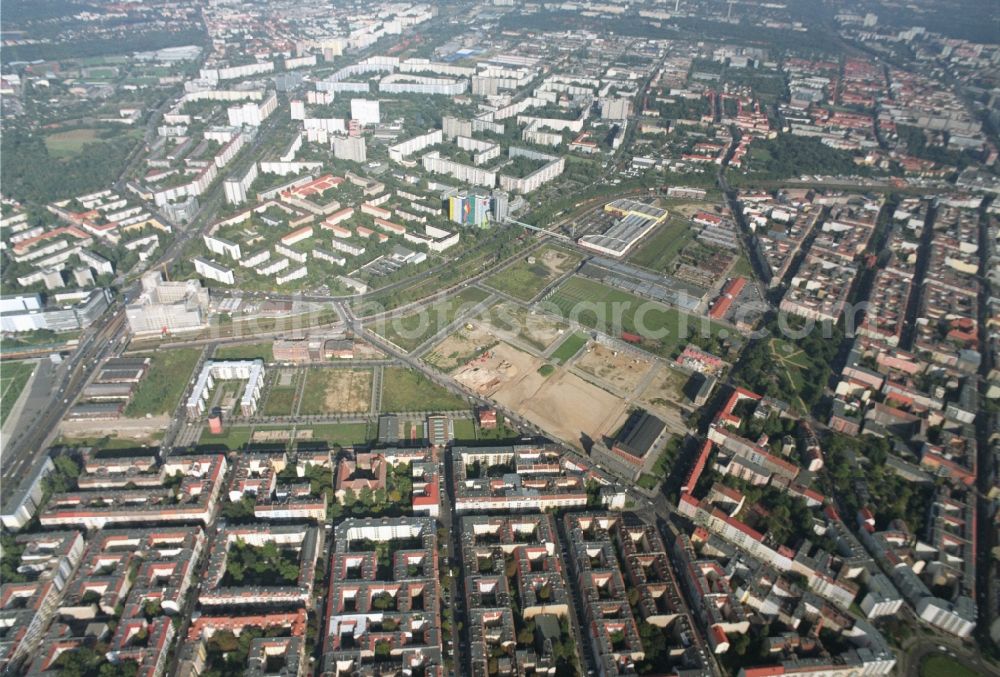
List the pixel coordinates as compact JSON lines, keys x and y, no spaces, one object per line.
{"x":524,"y":280}
{"x":245,"y":351}
{"x":944,"y":666}
{"x":341,"y":434}
{"x":742,"y":266}
{"x":465,"y":428}
{"x":410,"y":331}
{"x":13,"y":377}
{"x":64,"y":144}
{"x":659,"y":251}
{"x":501,"y":432}
{"x":38,"y":339}
{"x":160,"y":391}
{"x":280,"y":402}
{"x":406,"y":390}
{"x":665,"y":330}
{"x":570,"y":347}
{"x":232,"y":438}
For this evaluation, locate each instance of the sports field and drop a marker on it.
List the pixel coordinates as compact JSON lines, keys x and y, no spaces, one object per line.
{"x":65,"y":144}
{"x":613,"y":311}
{"x":13,"y":377}
{"x":659,"y":251}
{"x":570,"y":347}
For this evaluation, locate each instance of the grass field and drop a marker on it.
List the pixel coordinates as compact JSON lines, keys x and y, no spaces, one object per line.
{"x":570,"y":347}
{"x":742,"y":267}
{"x":660,"y":250}
{"x":410,"y":331}
{"x":13,"y":377}
{"x":612,"y":311}
{"x":406,"y":390}
{"x":279,"y":402}
{"x":524,"y":280}
{"x":160,"y":391}
{"x":66,"y":144}
{"x":232,"y":439}
{"x":342,"y":434}
{"x":943,"y":666}
{"x":465,"y":429}
{"x":248,"y":351}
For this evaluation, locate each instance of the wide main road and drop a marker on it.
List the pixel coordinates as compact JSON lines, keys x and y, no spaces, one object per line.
{"x":97,"y":342}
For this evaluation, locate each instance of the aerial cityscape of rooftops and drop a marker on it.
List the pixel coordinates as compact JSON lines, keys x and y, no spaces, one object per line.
{"x":494,"y":338}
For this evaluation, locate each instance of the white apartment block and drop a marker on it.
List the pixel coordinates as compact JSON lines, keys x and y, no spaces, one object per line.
{"x":433,"y":162}
{"x":299,"y":257}
{"x":253,"y":114}
{"x":274,"y":267}
{"x":329,"y":257}
{"x":222,"y":247}
{"x":350,"y":148}
{"x":236,"y":187}
{"x":255,"y":259}
{"x":482,"y":151}
{"x":213,"y":271}
{"x":296,"y":274}
{"x":366,"y":111}
{"x":347,"y":248}
{"x":403,"y":149}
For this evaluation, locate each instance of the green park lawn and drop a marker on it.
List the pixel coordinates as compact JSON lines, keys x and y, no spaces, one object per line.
{"x":944,"y":666}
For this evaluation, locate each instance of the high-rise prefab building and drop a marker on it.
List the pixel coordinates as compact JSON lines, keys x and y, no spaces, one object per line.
{"x":365,"y":110}
{"x":469,"y":209}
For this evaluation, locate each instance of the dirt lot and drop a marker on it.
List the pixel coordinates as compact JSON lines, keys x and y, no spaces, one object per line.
{"x":366,"y":351}
{"x":537,"y":330}
{"x":337,"y":390}
{"x":460,"y":347}
{"x":691,"y":208}
{"x":663,"y":394}
{"x":621,"y":370}
{"x":140,"y":429}
{"x":562,"y":403}
{"x":280,"y":435}
{"x":558,"y":261}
